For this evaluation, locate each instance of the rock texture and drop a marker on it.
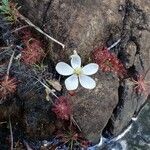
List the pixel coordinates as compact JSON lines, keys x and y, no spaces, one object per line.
{"x":135,"y":51}
{"x":80,"y":25}
{"x":92,"y":109}
{"x":84,"y":25}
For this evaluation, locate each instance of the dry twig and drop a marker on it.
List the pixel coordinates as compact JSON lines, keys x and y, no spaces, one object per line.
{"x":11,"y":135}
{"x":16,"y":30}
{"x":38,"y":29}
{"x":75,"y":123}
{"x":10,"y":63}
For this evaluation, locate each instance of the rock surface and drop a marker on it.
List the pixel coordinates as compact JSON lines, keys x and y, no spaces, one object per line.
{"x":84,"y":25}
{"x":80,"y":25}
{"x":135,"y":52}
{"x":92,"y":109}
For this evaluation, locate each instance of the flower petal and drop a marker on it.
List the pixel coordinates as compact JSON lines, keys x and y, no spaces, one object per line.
{"x":90,"y":69}
{"x":87,"y":82}
{"x":72,"y":82}
{"x":75,"y":61}
{"x":64,"y":69}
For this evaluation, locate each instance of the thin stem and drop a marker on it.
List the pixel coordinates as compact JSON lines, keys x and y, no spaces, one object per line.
{"x":11,"y":135}
{"x":113,"y":45}
{"x":20,"y":28}
{"x":42,"y":84}
{"x":10,"y":62}
{"x":4,"y":51}
{"x":48,"y":89}
{"x":3,"y":48}
{"x":27,"y":145}
{"x":3,"y":122}
{"x":74,"y":121}
{"x":71,"y":145}
{"x":42,"y":32}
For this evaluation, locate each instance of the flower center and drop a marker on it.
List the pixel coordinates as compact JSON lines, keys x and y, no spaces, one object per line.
{"x":78,"y":71}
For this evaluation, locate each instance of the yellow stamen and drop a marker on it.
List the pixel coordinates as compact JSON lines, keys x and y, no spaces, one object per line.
{"x":78,"y":71}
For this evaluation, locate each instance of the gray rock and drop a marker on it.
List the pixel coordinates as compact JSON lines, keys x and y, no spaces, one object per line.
{"x":84,"y":25}
{"x":93,"y":108}
{"x":134,"y":51}
{"x":129,"y":103}
{"x":80,"y":25}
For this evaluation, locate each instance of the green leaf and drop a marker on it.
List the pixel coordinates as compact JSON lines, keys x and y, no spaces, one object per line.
{"x":9,"y":18}
{"x":2,"y":7}
{"x":5,"y":2}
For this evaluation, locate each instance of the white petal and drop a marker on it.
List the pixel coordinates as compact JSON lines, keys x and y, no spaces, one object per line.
{"x":90,"y":69}
{"x":87,"y":82}
{"x":64,"y":69}
{"x":72,"y":82}
{"x":75,"y":61}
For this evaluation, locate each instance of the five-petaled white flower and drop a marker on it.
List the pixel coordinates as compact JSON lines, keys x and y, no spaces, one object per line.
{"x":78,"y":73}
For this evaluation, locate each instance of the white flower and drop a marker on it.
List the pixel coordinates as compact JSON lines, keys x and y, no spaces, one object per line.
{"x":78,"y":73}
